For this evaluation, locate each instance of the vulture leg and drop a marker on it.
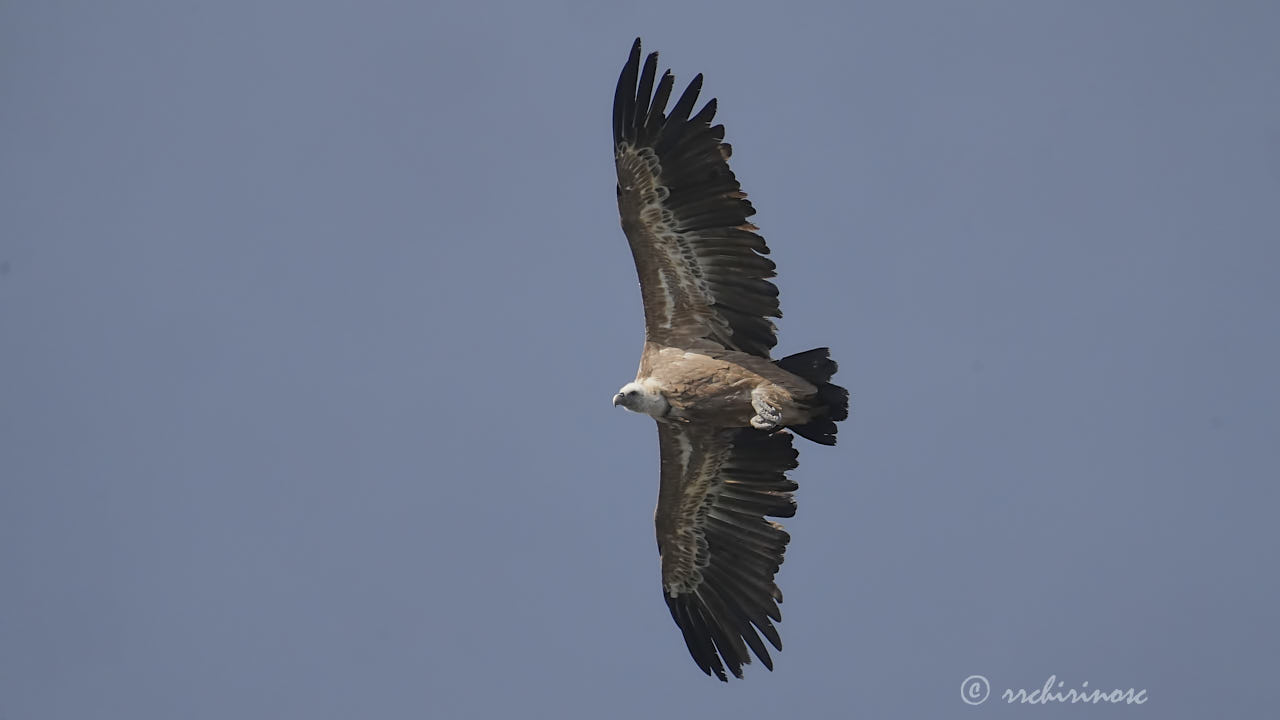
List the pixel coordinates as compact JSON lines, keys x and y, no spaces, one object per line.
{"x":767,"y":416}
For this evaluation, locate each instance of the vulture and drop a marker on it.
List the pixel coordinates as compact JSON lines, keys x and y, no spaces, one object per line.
{"x":726,"y":411}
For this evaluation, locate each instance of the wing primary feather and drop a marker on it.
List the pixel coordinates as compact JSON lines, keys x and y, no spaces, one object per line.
{"x":676,"y":125}
{"x":744,"y":621}
{"x":624,"y":98}
{"x":706,"y":114}
{"x":755,"y":594}
{"x":645,"y":90}
{"x":697,"y":634}
{"x":736,"y":626}
{"x":729,"y":651}
{"x":680,"y":113}
{"x":660,"y":97}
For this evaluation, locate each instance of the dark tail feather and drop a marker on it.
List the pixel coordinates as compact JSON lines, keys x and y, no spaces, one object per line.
{"x":817,"y":367}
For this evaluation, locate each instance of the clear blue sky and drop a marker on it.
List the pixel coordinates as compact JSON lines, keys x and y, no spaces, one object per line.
{"x":310,"y":315}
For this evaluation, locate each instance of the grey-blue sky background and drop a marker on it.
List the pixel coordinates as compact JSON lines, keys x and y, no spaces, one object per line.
{"x":310,"y":314}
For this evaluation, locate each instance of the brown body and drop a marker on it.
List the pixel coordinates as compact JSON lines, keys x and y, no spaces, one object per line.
{"x":715,"y":387}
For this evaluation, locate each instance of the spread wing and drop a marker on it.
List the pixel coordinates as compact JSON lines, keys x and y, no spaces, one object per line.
{"x":719,"y":553}
{"x":703,"y":274}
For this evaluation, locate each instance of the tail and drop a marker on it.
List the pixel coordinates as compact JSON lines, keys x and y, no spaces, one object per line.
{"x":817,"y":367}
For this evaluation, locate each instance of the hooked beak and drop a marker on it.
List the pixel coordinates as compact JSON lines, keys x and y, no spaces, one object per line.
{"x":617,"y":399}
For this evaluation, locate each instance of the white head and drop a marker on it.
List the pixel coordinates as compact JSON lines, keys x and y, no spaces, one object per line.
{"x":642,"y":397}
